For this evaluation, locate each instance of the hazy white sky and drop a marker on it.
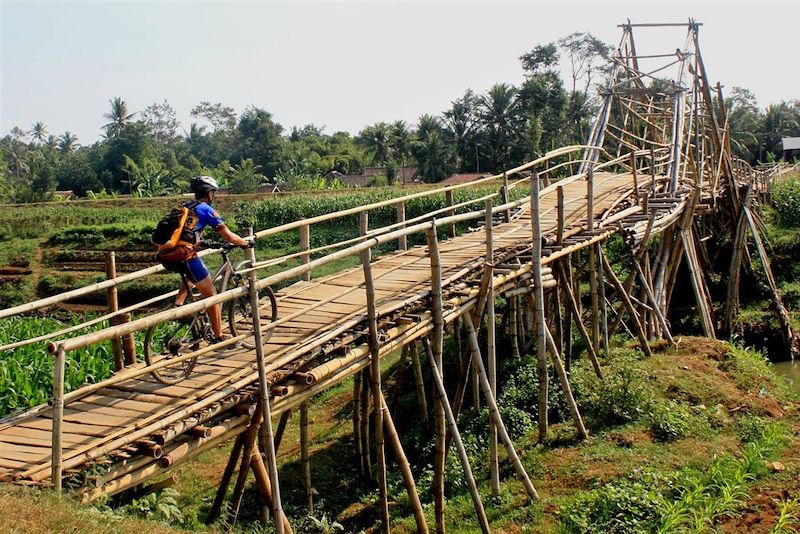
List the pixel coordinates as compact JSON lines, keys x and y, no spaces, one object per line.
{"x":339,"y":65}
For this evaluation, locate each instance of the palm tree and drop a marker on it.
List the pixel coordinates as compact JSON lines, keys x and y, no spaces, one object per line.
{"x":428,"y":124}
{"x":433,"y":156}
{"x":52,"y":142}
{"x":779,"y":120}
{"x":39,"y":132}
{"x":401,"y":145}
{"x":68,"y":142}
{"x":118,"y":117}
{"x":460,"y":124}
{"x":376,"y":139}
{"x":499,"y":115}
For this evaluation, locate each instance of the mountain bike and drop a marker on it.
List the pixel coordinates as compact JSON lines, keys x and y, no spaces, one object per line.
{"x":173,"y":339}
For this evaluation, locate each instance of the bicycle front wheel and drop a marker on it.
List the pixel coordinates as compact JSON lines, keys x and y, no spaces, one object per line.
{"x":170,"y":341}
{"x":240,"y":315}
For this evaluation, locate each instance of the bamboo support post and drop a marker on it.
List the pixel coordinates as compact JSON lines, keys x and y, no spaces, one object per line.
{"x":602,"y":295}
{"x":565,"y":386}
{"x":438,"y":342}
{"x":453,"y":431}
{"x":113,"y":305}
{"x":227,"y":474}
{"x":248,"y":444}
{"x":541,"y":355}
{"x":264,"y":387}
{"x":698,"y":284}
{"x":628,"y":304}
{"x":265,"y":486}
{"x":494,"y":413}
{"x":576,"y":312}
{"x":635,"y":178}
{"x":491,"y":334}
{"x":282,"y":422}
{"x":305,"y":245}
{"x":58,"y":418}
{"x":402,"y":241}
{"x":366,"y":457}
{"x":656,"y":309}
{"x":419,"y":383}
{"x":513,"y":324}
{"x":783,"y":316}
{"x":306,"y":464}
{"x":357,"y":423}
{"x":405,"y":469}
{"x":375,"y":377}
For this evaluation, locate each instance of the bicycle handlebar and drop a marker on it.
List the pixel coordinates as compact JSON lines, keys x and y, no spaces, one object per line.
{"x":214,"y":244}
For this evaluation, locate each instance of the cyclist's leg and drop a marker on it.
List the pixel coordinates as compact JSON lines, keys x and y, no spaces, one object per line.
{"x":198,"y":273}
{"x":186,"y":284}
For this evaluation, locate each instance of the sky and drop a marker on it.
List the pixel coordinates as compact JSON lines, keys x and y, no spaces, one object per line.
{"x":340,"y":65}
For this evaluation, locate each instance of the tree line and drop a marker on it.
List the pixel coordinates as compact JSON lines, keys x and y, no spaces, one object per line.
{"x":149,"y":153}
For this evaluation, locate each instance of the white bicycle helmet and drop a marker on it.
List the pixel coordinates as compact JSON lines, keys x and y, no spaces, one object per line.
{"x":203,"y":184}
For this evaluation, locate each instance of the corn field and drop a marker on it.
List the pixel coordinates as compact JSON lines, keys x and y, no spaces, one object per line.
{"x":26,"y":373}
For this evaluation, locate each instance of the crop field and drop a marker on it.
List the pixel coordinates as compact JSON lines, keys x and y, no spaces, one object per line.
{"x":26,"y":375}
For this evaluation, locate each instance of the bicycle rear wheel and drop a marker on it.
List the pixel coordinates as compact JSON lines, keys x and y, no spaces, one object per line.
{"x":240,"y":316}
{"x":169,"y":341}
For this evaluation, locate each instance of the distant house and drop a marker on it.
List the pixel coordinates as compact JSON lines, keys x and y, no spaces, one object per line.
{"x":791,"y":147}
{"x":463,"y":178}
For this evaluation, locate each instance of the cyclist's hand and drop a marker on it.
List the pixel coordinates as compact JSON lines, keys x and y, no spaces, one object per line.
{"x":250,"y":242}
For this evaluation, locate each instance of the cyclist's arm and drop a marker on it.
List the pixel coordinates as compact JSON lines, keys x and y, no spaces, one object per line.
{"x":231,"y":237}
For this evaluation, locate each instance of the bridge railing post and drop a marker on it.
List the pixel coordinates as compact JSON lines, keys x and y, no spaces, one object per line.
{"x":451,"y":228}
{"x":402,"y":241}
{"x":264,"y":391}
{"x":305,"y":244}
{"x":58,"y":418}
{"x":504,"y":196}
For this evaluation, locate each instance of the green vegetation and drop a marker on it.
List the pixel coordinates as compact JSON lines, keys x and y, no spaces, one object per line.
{"x":786,"y":200}
{"x":26,"y":376}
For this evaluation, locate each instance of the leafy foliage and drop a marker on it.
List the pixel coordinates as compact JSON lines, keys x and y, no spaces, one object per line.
{"x":26,"y":376}
{"x":786,"y":199}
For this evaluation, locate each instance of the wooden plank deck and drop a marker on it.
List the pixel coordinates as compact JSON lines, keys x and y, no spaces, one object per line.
{"x":100,"y":417}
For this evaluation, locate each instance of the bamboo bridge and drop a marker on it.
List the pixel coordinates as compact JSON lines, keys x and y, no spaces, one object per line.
{"x":656,"y":164}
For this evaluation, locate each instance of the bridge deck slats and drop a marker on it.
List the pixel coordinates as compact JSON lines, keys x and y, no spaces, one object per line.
{"x":105,"y":414}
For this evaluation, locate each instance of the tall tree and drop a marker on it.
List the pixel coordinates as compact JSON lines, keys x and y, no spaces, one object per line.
{"x":260,"y":140}
{"x":219,"y":116}
{"x":118,"y":117}
{"x":499,"y":114}
{"x":779,"y":120}
{"x":162,"y":120}
{"x":375,"y":139}
{"x":461,"y":125}
{"x":39,"y":132}
{"x":433,"y":156}
{"x":68,"y":142}
{"x":400,"y":142}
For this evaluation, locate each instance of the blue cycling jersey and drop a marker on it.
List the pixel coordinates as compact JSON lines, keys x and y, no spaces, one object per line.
{"x":207,"y":216}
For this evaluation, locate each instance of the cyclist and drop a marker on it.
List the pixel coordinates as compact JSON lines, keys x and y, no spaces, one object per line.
{"x":183,"y":257}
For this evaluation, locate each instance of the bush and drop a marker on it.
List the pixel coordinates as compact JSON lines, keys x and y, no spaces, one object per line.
{"x":630,"y":506}
{"x":786,"y":199}
{"x":670,"y":421}
{"x":622,"y":396}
